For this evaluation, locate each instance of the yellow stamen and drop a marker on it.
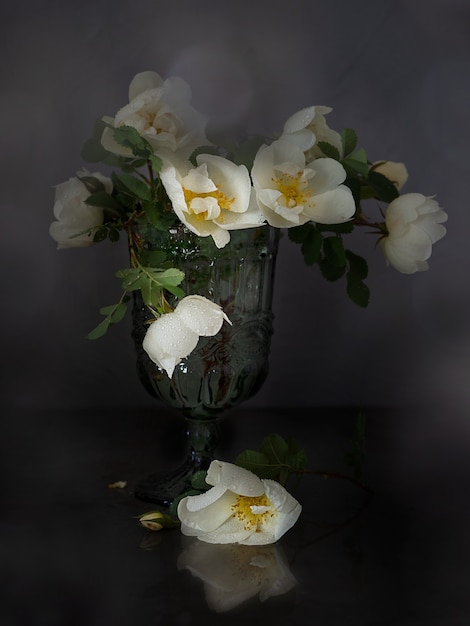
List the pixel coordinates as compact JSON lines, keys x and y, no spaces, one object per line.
{"x":242,"y":510}
{"x":223,"y":201}
{"x":294,"y":191}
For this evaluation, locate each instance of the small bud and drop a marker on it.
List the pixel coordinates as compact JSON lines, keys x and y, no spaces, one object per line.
{"x":156,"y":520}
{"x":151,"y":525}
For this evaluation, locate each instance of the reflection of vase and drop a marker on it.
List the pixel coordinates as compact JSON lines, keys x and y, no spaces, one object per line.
{"x":224,"y":370}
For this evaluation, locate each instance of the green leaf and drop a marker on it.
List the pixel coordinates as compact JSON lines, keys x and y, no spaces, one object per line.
{"x":135,"y":186}
{"x":92,"y":183}
{"x":384,"y":188}
{"x":113,"y":234}
{"x":356,"y":165}
{"x":275,"y":448}
{"x":349,"y":140}
{"x":311,"y":247}
{"x":330,"y":271}
{"x":104,"y":200}
{"x":277,"y":458}
{"x":329,"y":150}
{"x":129,"y":137}
{"x":299,"y":234}
{"x":357,"y":290}
{"x":152,"y":213}
{"x":357,"y":265}
{"x":360,"y":156}
{"x":198,"y":480}
{"x":115,"y":312}
{"x":152,"y":258}
{"x":100,"y":234}
{"x":256,"y":462}
{"x":100,"y":330}
{"x":334,"y":252}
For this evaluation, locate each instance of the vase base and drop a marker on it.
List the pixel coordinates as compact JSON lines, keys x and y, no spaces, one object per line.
{"x":163,"y":487}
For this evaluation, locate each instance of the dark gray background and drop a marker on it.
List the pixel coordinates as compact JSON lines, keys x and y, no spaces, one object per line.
{"x":397,"y":71}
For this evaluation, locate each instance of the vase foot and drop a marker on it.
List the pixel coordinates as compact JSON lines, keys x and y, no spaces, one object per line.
{"x":163,"y":487}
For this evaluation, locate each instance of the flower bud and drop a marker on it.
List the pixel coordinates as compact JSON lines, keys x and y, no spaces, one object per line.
{"x":156,"y":520}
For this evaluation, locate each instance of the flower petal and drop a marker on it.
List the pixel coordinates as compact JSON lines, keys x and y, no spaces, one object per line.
{"x":201,"y":315}
{"x":238,"y":479}
{"x":208,"y":517}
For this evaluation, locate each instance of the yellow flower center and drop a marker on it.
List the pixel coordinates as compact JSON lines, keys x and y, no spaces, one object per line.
{"x":252,"y":511}
{"x":222,"y":200}
{"x":294,"y":188}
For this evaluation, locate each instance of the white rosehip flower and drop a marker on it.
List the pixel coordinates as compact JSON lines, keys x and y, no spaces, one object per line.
{"x":291,"y":192}
{"x":161,"y":112}
{"x":233,"y":574}
{"x":239,"y":508}
{"x":307,"y":127}
{"x":173,"y":336}
{"x":76,"y":220}
{"x":414,"y":224}
{"x":212,"y":198}
{"x":395,"y":172}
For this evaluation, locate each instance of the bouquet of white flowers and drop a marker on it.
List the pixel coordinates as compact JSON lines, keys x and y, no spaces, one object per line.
{"x":310,"y":180}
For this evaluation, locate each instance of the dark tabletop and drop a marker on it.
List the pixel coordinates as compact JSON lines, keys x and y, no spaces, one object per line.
{"x":73,"y":552}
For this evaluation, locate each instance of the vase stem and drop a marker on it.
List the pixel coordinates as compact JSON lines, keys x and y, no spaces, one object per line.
{"x":163,"y":487}
{"x":202,"y":438}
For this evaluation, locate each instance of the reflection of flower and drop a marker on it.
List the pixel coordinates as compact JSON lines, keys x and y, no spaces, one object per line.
{"x":76,"y":220}
{"x":291,"y":192}
{"x":414,"y":224}
{"x":161,"y":112}
{"x":240,"y":508}
{"x":233,"y":574}
{"x":173,"y":336}
{"x":213,"y":198}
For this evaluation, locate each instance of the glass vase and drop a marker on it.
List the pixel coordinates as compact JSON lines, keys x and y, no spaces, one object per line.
{"x":225,"y":370}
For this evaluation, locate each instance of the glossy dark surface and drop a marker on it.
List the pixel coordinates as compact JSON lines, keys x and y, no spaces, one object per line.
{"x":72,"y":552}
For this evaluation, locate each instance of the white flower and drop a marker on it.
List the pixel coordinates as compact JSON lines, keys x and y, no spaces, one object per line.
{"x":291,"y":192}
{"x":212,"y":198}
{"x":174,"y":336}
{"x":76,"y":220}
{"x":307,"y":127}
{"x":414,"y":223}
{"x":239,"y":508}
{"x":161,"y":112}
{"x":233,"y":574}
{"x":395,"y":172}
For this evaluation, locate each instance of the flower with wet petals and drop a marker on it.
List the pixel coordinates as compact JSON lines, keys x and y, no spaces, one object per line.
{"x":173,"y":336}
{"x":239,"y":508}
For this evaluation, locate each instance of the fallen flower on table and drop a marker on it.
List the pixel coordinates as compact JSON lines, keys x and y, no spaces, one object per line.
{"x":239,"y":508}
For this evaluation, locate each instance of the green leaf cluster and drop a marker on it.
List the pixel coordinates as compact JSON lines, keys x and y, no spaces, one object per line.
{"x":113,"y":314}
{"x":323,"y":244}
{"x":277,"y":458}
{"x":151,"y":282}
